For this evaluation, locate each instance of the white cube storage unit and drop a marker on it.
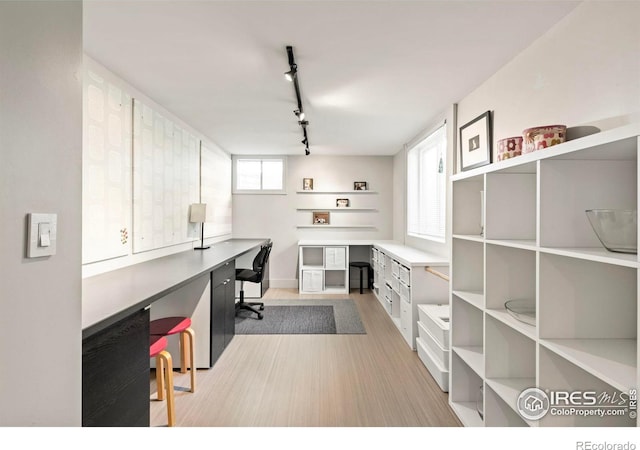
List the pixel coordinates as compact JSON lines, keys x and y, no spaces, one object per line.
{"x":536,"y":243}
{"x":323,"y":269}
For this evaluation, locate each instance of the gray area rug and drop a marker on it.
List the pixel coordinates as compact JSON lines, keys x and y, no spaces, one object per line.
{"x":309,"y":317}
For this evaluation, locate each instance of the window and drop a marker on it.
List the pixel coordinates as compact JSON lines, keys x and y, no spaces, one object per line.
{"x":257,"y":175}
{"x":426,"y":187}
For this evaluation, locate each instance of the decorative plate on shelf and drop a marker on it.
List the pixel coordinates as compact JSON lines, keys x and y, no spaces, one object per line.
{"x":523,"y":310}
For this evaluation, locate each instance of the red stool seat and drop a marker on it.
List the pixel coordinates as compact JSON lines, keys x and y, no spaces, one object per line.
{"x":164,"y":373}
{"x":156,"y":345}
{"x":167,"y":326}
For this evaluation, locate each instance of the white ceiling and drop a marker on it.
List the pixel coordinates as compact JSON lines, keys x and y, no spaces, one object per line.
{"x":372,"y":74}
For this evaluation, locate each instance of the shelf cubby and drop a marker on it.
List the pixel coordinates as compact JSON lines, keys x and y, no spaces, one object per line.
{"x":468,"y":340}
{"x":557,"y":374}
{"x":510,"y":201}
{"x":467,"y":216}
{"x":581,"y":299}
{"x":510,"y":361}
{"x":497,"y":413}
{"x":468,"y":263}
{"x":570,"y":187}
{"x":463,"y":396}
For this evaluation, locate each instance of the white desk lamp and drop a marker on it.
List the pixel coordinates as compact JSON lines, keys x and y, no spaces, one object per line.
{"x":198,"y":214}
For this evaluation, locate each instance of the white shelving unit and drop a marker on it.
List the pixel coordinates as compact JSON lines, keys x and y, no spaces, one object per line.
{"x":324,"y":269}
{"x":536,"y":243}
{"x":336,"y":192}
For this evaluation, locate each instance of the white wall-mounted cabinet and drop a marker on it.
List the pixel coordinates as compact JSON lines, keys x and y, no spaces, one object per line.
{"x":536,"y":243}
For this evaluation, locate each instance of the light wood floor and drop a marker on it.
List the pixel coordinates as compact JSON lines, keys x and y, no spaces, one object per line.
{"x":313,"y":380}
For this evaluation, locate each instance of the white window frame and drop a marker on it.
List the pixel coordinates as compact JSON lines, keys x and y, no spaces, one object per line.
{"x":417,"y":147}
{"x":260,"y":158}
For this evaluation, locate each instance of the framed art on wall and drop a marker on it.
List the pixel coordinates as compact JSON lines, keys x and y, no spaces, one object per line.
{"x":307,"y":184}
{"x":475,"y":142}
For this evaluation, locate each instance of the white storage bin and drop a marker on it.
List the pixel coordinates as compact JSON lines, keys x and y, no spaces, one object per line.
{"x":441,"y":354}
{"x":405,"y":292}
{"x":405,"y":275}
{"x":395,"y":268}
{"x":312,"y":280}
{"x":395,"y":284}
{"x":335,"y":258}
{"x":374,"y":255}
{"x":435,"y":319}
{"x":438,"y":372}
{"x":388,"y":304}
{"x":386,"y":291}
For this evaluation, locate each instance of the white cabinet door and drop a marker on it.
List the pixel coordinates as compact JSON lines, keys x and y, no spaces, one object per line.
{"x":335,"y":258}
{"x":312,"y":280}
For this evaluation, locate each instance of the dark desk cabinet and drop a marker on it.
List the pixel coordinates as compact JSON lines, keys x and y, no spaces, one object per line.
{"x":222,"y":308}
{"x":115,"y":374}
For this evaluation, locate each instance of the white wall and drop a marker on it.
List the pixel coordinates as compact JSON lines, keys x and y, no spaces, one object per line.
{"x":128,"y":257}
{"x":584,"y":71}
{"x":40,"y":171}
{"x":275,"y":216}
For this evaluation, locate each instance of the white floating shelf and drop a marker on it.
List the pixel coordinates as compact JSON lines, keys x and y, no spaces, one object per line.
{"x":335,"y":226}
{"x":336,"y":192}
{"x":614,"y":361}
{"x":348,"y":209}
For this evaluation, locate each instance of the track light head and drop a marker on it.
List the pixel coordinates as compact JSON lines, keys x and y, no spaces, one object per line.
{"x":305,"y":141}
{"x":290,"y":75}
{"x":299,"y":113}
{"x":307,"y":152}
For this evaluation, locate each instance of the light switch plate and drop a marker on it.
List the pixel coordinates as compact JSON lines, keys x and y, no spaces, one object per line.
{"x":41,"y":223}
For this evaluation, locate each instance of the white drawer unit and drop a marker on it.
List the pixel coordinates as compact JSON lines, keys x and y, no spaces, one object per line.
{"x":441,"y":354}
{"x":437,"y":371}
{"x":435,"y":319}
{"x":395,"y":284}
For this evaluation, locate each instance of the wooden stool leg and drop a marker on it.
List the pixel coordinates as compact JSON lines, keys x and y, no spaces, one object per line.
{"x":183,"y":352}
{"x":160,"y":379}
{"x":192,"y":356}
{"x":168,"y":368}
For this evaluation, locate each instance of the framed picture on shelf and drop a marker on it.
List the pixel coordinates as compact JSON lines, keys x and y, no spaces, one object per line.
{"x":321,"y":217}
{"x":359,"y":185}
{"x":342,"y":203}
{"x":307,"y":184}
{"x":475,"y":142}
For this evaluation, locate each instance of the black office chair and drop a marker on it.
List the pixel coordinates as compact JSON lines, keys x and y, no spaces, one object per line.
{"x":254,"y":275}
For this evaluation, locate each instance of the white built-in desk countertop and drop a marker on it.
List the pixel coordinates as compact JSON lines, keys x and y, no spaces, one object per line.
{"x":409,"y":256}
{"x":111,"y":296}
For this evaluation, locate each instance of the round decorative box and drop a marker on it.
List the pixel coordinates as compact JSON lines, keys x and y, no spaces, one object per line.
{"x":509,"y":147}
{"x":537,"y":138}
